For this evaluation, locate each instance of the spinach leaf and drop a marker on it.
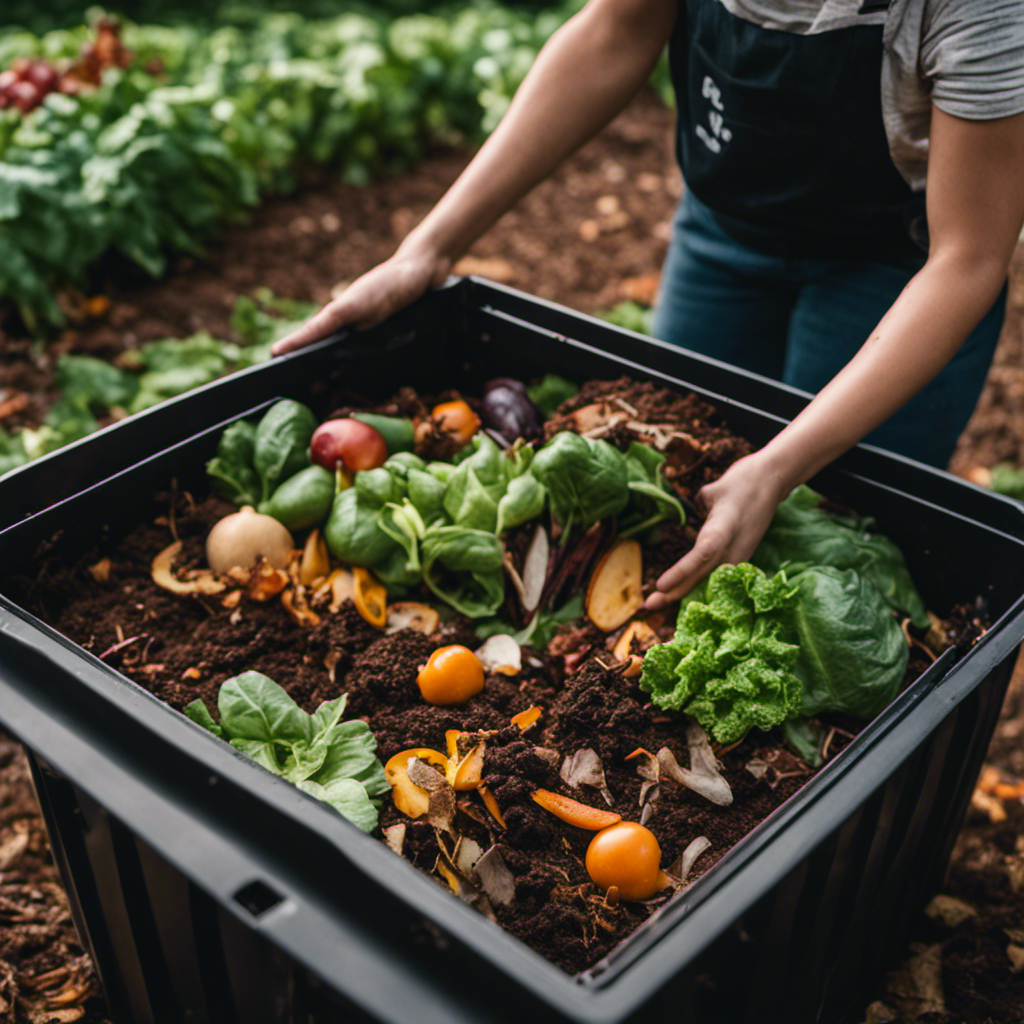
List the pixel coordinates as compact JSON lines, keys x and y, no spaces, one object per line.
{"x":586,"y":479}
{"x":804,"y":534}
{"x":348,"y":797}
{"x":231,"y":471}
{"x":281,"y":447}
{"x":522,"y":501}
{"x":473,"y":491}
{"x":731,"y":661}
{"x":463,"y":567}
{"x":253,"y":707}
{"x":332,"y":760}
{"x":353,"y":532}
{"x":650,"y":499}
{"x":853,"y":654}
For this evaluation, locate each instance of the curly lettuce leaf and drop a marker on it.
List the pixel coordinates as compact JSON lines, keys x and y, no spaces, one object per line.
{"x":731,"y":661}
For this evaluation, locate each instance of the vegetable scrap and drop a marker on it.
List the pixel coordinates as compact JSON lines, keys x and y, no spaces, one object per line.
{"x":469,"y":587}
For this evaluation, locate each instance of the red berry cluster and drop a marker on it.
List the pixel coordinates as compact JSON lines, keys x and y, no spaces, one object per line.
{"x":27,"y":82}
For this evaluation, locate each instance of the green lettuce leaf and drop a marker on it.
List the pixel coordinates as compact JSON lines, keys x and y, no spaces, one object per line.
{"x":804,"y":534}
{"x":853,"y":654}
{"x":586,"y":479}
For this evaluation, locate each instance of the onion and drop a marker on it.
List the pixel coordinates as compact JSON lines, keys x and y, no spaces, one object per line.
{"x":243,"y":537}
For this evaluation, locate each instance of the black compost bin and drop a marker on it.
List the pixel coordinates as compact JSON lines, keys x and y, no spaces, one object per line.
{"x":208,"y":890}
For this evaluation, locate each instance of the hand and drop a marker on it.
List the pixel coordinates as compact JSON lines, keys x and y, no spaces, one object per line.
{"x":738,"y":509}
{"x":374,"y":297}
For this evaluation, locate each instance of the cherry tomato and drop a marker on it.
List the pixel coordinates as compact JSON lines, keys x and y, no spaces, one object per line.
{"x":457,"y":420}
{"x":451,"y":675}
{"x":627,"y":856}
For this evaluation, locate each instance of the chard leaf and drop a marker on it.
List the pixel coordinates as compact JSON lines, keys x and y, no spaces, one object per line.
{"x":853,"y":654}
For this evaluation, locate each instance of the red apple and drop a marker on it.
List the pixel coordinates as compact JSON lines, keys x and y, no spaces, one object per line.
{"x":42,"y":75}
{"x":25,"y":96}
{"x":354,"y":444}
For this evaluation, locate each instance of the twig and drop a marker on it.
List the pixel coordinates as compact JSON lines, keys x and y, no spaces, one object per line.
{"x":121,"y":645}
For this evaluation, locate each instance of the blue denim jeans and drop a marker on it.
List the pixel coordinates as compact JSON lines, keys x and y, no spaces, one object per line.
{"x":801,"y":320}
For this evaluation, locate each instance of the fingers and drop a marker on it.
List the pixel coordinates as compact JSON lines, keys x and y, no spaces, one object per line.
{"x":330,"y":319}
{"x":711,"y":550}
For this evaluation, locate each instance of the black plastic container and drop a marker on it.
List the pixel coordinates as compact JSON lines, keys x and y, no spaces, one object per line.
{"x":209,"y":890}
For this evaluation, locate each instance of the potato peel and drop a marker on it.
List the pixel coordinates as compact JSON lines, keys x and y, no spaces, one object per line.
{"x":200,"y":581}
{"x":616,"y":586}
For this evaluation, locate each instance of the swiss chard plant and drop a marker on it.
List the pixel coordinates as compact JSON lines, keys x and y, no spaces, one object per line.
{"x":332,"y":760}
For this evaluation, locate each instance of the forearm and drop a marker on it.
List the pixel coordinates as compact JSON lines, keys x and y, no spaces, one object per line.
{"x":585,"y":75}
{"x":918,"y":336}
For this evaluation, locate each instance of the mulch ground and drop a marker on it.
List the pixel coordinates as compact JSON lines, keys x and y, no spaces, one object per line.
{"x":593,"y":235}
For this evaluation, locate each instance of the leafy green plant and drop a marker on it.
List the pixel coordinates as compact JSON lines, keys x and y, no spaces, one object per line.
{"x":154,"y":373}
{"x":332,"y":760}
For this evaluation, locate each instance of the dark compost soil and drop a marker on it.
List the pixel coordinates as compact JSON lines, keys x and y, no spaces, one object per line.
{"x":184,"y":648}
{"x":567,"y":242}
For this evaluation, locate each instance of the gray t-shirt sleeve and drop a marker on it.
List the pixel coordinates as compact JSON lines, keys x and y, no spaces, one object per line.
{"x":972,"y":53}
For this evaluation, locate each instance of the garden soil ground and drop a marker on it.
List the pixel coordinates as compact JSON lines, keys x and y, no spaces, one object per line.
{"x":593,"y":236}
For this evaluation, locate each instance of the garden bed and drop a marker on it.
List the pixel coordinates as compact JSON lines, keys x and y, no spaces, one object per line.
{"x":183,"y":648}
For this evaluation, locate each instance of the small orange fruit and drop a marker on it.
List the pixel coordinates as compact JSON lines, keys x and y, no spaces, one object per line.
{"x":628,"y":857}
{"x":451,"y":675}
{"x":457,"y":420}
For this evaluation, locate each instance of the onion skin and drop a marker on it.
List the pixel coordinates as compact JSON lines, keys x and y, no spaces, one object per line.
{"x":507,"y":409}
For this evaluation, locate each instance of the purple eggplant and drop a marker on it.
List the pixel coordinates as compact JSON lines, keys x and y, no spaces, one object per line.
{"x":506,"y":408}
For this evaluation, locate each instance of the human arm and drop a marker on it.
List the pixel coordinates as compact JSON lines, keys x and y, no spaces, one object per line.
{"x":975,"y":200}
{"x":585,"y":74}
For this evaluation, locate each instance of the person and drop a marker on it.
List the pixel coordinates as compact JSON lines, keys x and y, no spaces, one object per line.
{"x":854,"y":176}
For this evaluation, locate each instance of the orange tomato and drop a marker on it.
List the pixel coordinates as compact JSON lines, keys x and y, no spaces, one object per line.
{"x":457,"y":420}
{"x":628,"y":857}
{"x":451,"y":675}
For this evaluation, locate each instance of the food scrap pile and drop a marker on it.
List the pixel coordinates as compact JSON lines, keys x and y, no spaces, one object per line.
{"x":430,"y":616}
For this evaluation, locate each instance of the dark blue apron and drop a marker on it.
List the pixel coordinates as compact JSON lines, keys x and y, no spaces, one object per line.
{"x":781,"y":135}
